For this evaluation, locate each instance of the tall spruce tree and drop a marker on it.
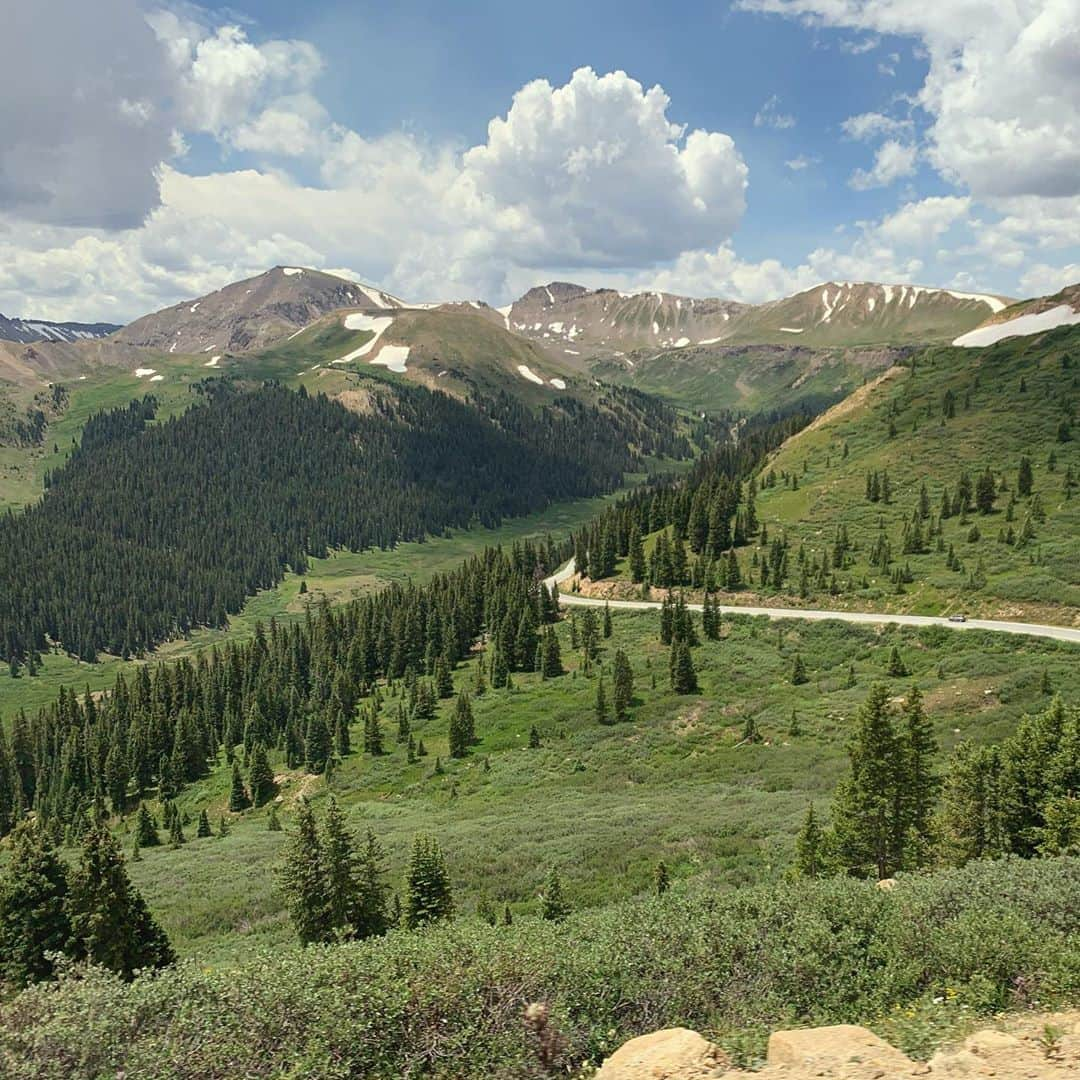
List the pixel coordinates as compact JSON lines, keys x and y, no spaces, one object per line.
{"x":622,"y":686}
{"x":554,"y":906}
{"x":110,"y":922}
{"x":865,"y":806}
{"x":462,"y":726}
{"x":303,"y":879}
{"x":429,"y":896}
{"x":261,"y":777}
{"x":238,"y":795}
{"x":33,"y":914}
{"x":681,"y":669}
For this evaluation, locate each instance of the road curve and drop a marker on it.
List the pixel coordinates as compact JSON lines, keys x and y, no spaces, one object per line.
{"x":1058,"y":633}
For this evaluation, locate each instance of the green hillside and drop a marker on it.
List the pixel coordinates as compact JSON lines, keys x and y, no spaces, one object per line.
{"x":951,"y":412}
{"x":747,"y":378}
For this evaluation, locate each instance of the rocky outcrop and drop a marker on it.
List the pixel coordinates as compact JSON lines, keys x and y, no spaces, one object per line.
{"x":672,"y":1054}
{"x":1028,"y":1047}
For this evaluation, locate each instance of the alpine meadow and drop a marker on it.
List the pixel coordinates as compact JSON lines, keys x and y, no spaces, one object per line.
{"x":540,"y":543}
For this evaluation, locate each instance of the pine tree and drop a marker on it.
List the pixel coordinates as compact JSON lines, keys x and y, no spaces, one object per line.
{"x":682,"y":673}
{"x":809,"y":847}
{"x":637,"y":556}
{"x":600,"y":709}
{"x":865,"y":804}
{"x":798,"y":671}
{"x":303,"y":879}
{"x":534,"y":738}
{"x":317,"y":744}
{"x":553,"y":904}
{"x":607,"y":626}
{"x":33,"y":916}
{"x":661,"y":879}
{"x":145,"y":829}
{"x":203,"y":829}
{"x":238,"y":796}
{"x":918,"y":783}
{"x":110,"y":922}
{"x":261,"y":777}
{"x":429,"y":896}
{"x":462,"y":727}
{"x":1025,"y":478}
{"x":372,"y":916}
{"x":896,"y":668}
{"x":273,"y":822}
{"x":176,"y":831}
{"x":339,"y":868}
{"x":623,"y":686}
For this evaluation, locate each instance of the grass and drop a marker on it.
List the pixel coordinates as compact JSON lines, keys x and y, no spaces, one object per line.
{"x":606,"y":803}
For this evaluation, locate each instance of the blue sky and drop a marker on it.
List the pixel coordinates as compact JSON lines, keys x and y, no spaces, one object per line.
{"x":789,"y":142}
{"x":418,"y":68}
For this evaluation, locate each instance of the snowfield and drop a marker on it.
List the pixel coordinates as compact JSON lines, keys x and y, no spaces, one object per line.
{"x":526,"y":372}
{"x":1062,"y":315}
{"x":558,"y":384}
{"x":392,"y":357}
{"x":290,"y":271}
{"x":141,"y":372}
{"x":378,"y":325}
{"x":212,"y":362}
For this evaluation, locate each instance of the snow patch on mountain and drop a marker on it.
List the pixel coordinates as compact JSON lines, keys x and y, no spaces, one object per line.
{"x":1021,"y":326}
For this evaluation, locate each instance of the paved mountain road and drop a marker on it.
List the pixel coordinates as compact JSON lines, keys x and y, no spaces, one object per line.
{"x":1058,"y":633}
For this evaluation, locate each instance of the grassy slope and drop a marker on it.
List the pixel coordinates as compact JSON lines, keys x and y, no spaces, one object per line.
{"x":605,"y":803}
{"x":1041,"y":581}
{"x":749,"y":379}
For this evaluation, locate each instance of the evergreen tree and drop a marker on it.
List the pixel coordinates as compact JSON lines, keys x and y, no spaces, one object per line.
{"x":553,"y":904}
{"x":681,"y":669}
{"x":261,"y":777}
{"x":534,"y":738}
{"x":238,"y":796}
{"x":176,"y":831}
{"x":865,"y":804}
{"x":462,"y":727}
{"x":809,"y":847}
{"x":145,"y":829}
{"x":603,"y":716}
{"x":339,"y":868}
{"x":623,"y":685}
{"x":1024,"y":478}
{"x":33,"y":916}
{"x":273,"y":822}
{"x":372,"y":916}
{"x":918,"y":783}
{"x":661,"y":879}
{"x":896,"y":668}
{"x":110,"y":922}
{"x":203,"y":829}
{"x":317,"y":744}
{"x":798,"y":671}
{"x":429,"y":897}
{"x":303,"y":879}
{"x":608,"y":628}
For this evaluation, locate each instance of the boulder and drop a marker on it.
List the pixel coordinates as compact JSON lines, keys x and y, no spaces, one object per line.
{"x":671,"y":1054}
{"x":830,"y":1048}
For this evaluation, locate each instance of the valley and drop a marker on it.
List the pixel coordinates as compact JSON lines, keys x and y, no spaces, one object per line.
{"x":312,"y":578}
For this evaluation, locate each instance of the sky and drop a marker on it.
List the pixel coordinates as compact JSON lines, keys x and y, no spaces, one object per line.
{"x":745,"y":149}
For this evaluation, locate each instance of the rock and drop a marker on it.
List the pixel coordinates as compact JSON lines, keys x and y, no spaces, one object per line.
{"x":887,"y":884}
{"x":988,"y":1042}
{"x":954,"y":1063}
{"x":830,"y":1047}
{"x":671,"y":1054}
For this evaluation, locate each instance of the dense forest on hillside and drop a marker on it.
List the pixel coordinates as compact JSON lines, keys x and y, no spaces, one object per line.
{"x":152,"y":529}
{"x":296,"y":688}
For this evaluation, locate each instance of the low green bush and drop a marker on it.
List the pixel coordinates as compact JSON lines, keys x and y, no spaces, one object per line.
{"x":449,"y":1001}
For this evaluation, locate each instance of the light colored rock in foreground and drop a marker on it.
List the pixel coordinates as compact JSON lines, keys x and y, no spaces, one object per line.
{"x":672,"y":1054}
{"x":833,"y":1047}
{"x":1033,"y":1047}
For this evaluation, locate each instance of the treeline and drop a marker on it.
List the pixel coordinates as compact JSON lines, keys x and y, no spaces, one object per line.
{"x":898,"y":810}
{"x":710,"y":511}
{"x":29,"y":427}
{"x":296,"y":689}
{"x":151,"y":530}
